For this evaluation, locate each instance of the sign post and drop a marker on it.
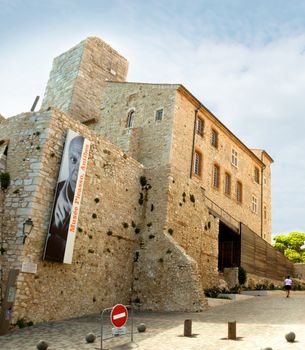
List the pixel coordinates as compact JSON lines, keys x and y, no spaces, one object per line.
{"x":118,"y":318}
{"x":119,"y":315}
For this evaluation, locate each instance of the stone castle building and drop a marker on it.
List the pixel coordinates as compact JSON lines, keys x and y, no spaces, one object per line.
{"x":168,"y":193}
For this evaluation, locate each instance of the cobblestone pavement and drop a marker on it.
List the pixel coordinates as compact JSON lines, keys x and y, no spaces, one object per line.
{"x":261,"y":322}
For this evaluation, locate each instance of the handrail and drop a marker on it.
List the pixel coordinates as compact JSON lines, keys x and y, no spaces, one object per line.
{"x":221,"y":212}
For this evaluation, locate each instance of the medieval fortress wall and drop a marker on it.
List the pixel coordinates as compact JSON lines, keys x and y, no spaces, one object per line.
{"x":145,"y":233}
{"x":104,"y":269}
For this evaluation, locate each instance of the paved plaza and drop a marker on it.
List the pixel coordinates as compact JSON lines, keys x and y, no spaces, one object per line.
{"x":261,"y":322}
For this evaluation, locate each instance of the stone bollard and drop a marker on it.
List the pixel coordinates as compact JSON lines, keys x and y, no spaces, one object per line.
{"x":290,"y":337}
{"x":90,"y":338}
{"x":232,"y":330}
{"x":141,"y":327}
{"x":187,"y":328}
{"x":42,"y":345}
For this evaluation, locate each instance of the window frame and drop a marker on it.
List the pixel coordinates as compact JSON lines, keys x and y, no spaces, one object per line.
{"x":157,"y":119}
{"x":214,"y":138}
{"x":228,"y":185}
{"x":130,"y":118}
{"x":216,"y":176}
{"x":199,"y":121}
{"x":256,"y":175}
{"x":197,"y":155}
{"x":239,"y":192}
{"x":254,"y":204}
{"x":234,"y":157}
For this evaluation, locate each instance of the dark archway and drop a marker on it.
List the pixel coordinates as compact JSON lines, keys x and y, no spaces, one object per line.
{"x":228,"y":247}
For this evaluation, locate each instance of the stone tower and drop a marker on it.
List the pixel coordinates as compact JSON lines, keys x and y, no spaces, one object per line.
{"x":78,"y":76}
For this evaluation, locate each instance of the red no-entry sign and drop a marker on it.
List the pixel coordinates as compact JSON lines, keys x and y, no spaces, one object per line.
{"x":119,"y":315}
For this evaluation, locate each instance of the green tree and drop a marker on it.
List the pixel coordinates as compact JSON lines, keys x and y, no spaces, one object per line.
{"x":292,"y":245}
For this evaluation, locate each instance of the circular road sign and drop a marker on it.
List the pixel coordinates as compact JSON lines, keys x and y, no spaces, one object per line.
{"x":119,"y":315}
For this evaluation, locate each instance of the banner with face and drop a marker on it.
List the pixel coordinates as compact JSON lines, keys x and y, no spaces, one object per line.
{"x":62,"y":229}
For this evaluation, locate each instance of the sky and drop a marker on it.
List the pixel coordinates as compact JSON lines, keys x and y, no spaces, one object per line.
{"x":244,"y":60}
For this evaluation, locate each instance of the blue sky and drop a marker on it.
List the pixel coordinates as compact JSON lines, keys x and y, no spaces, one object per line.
{"x":245,"y":60}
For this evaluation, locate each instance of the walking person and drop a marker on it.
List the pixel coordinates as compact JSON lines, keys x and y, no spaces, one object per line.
{"x":288,"y":285}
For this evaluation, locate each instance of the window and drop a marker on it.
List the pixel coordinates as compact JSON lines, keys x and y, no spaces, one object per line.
{"x":254,"y":204}
{"x":234,"y":158}
{"x":239,"y":192}
{"x":216,"y":176}
{"x":159,"y":114}
{"x":199,"y":126}
{"x":214,"y":138}
{"x":130,"y":119}
{"x":265,"y":212}
{"x":256,"y":175}
{"x":3,"y":155}
{"x":227,"y":184}
{"x":265,"y":181}
{"x":197,"y":163}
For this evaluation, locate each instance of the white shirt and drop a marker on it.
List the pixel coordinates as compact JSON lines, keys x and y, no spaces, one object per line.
{"x":288,"y":282}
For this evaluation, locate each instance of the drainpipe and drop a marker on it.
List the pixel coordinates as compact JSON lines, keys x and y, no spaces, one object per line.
{"x":262,"y":197}
{"x":193,"y":144}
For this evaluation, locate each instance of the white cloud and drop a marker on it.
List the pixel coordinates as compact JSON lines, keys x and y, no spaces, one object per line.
{"x":256,"y":91}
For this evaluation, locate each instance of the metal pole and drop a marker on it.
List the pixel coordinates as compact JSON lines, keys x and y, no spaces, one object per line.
{"x":102,"y":331}
{"x":131,"y":324}
{"x":102,"y":326}
{"x":34,"y":104}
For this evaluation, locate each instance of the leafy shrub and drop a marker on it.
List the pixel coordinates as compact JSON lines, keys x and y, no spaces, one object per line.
{"x":212,"y":292}
{"x":5,"y":180}
{"x":261,"y":286}
{"x":21,"y":323}
{"x":235,"y":290}
{"x":242,"y":275}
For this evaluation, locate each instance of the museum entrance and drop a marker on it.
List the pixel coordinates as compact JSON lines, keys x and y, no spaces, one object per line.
{"x":228,"y":247}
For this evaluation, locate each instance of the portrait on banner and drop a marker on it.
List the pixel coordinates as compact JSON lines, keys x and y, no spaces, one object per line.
{"x":74,"y":158}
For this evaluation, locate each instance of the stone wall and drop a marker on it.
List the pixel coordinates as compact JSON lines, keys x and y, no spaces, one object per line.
{"x":101,"y":272}
{"x":254,"y":280}
{"x":163,"y":267}
{"x":192,"y":227}
{"x":299,"y":269}
{"x":78,"y":77}
{"x":113,"y":227}
{"x":149,"y":140}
